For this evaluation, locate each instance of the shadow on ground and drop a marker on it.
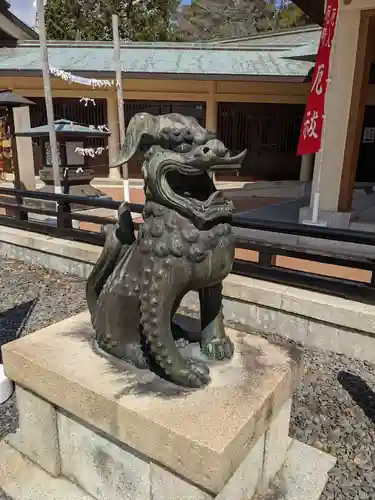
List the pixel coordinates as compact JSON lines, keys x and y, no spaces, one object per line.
{"x":360,"y":392}
{"x":13,"y":321}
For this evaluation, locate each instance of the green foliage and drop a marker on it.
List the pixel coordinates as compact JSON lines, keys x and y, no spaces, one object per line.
{"x":139,"y":20}
{"x":290,"y":16}
{"x":207,"y":19}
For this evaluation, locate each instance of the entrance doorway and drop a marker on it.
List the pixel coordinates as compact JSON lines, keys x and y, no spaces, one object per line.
{"x":270,"y":134}
{"x":366,"y":156}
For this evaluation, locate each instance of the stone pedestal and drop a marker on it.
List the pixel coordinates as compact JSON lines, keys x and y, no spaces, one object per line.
{"x":91,"y":428}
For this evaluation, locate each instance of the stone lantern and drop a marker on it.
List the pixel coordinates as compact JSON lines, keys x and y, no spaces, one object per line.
{"x":75,"y":174}
{"x":8,"y":101}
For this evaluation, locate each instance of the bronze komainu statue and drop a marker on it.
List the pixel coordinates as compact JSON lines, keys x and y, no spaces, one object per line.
{"x":185,"y":243}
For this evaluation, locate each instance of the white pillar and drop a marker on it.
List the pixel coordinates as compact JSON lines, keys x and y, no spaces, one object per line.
{"x":114,"y":138}
{"x":342,"y":109}
{"x":24,"y":148}
{"x":315,"y":177}
{"x":307,"y":164}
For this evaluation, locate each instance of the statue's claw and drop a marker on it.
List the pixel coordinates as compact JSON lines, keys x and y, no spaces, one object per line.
{"x":218,"y":348}
{"x":198,"y":374}
{"x":132,"y":353}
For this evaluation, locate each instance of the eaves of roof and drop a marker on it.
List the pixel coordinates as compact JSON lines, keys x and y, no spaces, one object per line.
{"x":285,"y":37}
{"x":4,"y":5}
{"x":169,"y":60}
{"x":304,"y":53}
{"x":313,"y":8}
{"x":32,"y":34}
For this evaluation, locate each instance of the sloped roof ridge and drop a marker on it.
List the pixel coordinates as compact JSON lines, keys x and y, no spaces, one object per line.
{"x":267,"y":34}
{"x":8,"y":14}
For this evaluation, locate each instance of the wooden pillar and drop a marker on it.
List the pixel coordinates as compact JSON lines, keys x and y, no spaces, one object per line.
{"x":211,"y":114}
{"x":114,"y":138}
{"x":211,"y":109}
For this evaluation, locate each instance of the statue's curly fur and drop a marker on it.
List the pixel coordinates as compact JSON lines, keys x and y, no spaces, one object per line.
{"x":185,"y":243}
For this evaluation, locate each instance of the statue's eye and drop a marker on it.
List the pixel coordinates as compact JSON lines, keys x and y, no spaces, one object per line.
{"x":164,"y":132}
{"x":183,"y":148}
{"x":187,"y":135}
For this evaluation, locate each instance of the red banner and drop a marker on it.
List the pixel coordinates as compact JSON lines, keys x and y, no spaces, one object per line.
{"x":312,"y":125}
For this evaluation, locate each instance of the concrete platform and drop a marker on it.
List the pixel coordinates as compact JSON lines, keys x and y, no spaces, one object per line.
{"x":305,"y":472}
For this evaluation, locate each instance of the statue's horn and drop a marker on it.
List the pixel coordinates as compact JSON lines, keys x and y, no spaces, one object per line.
{"x":142,"y":125}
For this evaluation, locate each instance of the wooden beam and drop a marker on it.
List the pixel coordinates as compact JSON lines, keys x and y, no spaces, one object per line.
{"x":313,"y":8}
{"x":261,"y":98}
{"x":357,"y":109}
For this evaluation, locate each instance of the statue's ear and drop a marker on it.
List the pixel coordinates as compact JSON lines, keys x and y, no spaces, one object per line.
{"x":141,"y":131}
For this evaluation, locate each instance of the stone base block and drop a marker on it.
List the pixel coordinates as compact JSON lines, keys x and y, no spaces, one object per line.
{"x":21,"y":479}
{"x":303,"y":477}
{"x":37,"y":436}
{"x":121,"y":433}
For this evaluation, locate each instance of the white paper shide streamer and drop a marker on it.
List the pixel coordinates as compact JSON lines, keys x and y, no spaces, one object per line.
{"x":87,"y":100}
{"x":89,"y":82}
{"x":91,"y":151}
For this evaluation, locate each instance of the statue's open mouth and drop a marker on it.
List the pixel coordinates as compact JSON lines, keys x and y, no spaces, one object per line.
{"x":187,"y":186}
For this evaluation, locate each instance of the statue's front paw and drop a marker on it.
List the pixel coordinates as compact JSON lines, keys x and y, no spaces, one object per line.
{"x":218,"y":348}
{"x":197,"y":374}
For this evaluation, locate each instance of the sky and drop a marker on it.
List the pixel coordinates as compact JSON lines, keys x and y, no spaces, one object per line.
{"x":23,"y":9}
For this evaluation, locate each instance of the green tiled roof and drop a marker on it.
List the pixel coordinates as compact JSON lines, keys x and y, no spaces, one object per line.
{"x":304,"y":53}
{"x":168,"y":59}
{"x":65,"y":127}
{"x":291,"y":38}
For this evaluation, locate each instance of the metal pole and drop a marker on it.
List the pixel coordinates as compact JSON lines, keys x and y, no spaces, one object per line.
{"x":48,"y":97}
{"x":121,"y":117}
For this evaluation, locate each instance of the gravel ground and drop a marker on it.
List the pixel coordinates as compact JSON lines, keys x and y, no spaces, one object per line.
{"x":333,"y":410}
{"x":31,"y":298}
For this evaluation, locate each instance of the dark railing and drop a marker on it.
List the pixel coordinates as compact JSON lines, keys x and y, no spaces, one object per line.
{"x":263,"y":262}
{"x":64,"y":226}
